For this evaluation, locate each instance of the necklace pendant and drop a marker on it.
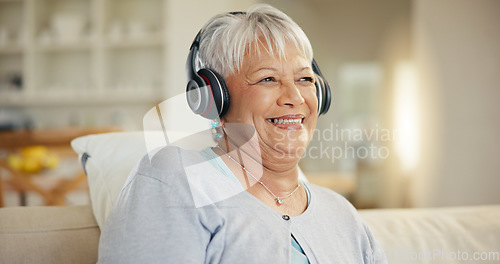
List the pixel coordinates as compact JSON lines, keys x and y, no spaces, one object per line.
{"x":280,"y":202}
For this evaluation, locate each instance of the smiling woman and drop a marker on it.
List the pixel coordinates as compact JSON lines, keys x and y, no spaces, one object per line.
{"x":241,"y":201}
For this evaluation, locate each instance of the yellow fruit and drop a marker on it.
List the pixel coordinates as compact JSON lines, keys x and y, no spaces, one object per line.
{"x":15,"y":161}
{"x":34,"y":151}
{"x":31,"y":165}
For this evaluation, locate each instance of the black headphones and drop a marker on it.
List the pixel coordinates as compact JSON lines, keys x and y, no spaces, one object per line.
{"x":207,"y":94}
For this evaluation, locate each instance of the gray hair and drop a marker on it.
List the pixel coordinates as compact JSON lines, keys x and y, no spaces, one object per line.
{"x":226,"y":38}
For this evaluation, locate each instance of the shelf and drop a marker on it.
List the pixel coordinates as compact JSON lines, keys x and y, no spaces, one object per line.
{"x":136,"y":42}
{"x":18,"y":100}
{"x":61,"y":47}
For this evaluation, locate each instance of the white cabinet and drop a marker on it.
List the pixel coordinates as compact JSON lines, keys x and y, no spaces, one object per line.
{"x":57,"y":52}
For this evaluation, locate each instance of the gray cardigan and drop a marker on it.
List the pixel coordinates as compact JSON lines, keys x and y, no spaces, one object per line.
{"x":178,"y":208}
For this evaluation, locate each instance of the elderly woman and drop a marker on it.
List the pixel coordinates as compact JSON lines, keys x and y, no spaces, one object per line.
{"x":241,"y":201}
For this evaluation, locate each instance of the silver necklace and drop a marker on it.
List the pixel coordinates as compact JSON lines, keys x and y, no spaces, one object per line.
{"x":279,"y":200}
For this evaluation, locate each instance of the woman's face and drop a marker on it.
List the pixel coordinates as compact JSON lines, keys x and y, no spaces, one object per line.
{"x":278,"y":98}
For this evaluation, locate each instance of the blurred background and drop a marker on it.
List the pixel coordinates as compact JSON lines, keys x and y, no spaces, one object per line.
{"x":414,"y":120}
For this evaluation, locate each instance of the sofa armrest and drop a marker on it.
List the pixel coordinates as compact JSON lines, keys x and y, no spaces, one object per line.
{"x":48,"y":234}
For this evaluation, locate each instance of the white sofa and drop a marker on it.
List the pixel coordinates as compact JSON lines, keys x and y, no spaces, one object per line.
{"x":70,"y":234}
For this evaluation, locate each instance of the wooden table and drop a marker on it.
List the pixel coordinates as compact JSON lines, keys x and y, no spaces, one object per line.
{"x":55,"y":140}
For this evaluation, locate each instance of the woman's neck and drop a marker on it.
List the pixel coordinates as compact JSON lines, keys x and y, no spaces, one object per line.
{"x":280,"y":177}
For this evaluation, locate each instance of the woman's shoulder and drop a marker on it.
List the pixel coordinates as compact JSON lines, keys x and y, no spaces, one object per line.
{"x":166,"y":166}
{"x":171,"y":156}
{"x":180,"y":171}
{"x":164,"y":173}
{"x":168,"y":159}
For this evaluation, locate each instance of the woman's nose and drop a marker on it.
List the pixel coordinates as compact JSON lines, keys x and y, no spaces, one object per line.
{"x":290,"y":95}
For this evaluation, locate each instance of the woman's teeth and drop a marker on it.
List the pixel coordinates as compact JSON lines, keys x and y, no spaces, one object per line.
{"x":285,"y":121}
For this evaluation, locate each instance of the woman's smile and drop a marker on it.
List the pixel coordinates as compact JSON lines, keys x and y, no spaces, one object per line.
{"x":288,"y":122}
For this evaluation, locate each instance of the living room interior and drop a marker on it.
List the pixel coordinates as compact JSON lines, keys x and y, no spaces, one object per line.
{"x":413,"y":122}
{"x":432,"y":136}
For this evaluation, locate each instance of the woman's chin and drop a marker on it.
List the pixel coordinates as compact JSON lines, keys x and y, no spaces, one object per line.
{"x":289,"y":150}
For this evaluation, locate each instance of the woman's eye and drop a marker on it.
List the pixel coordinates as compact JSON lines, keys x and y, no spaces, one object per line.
{"x":268,"y":79}
{"x":307,"y":79}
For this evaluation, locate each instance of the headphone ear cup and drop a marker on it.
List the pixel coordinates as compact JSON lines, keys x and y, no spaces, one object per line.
{"x":327,"y":97}
{"x":197,"y":94}
{"x":320,"y":93}
{"x":323,"y":91}
{"x":218,"y":102}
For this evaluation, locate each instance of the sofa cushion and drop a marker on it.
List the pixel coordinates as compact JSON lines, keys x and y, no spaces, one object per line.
{"x":47,"y":234}
{"x":107,"y":160}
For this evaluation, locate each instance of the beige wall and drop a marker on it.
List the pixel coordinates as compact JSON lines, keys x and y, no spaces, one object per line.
{"x":457,"y":48}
